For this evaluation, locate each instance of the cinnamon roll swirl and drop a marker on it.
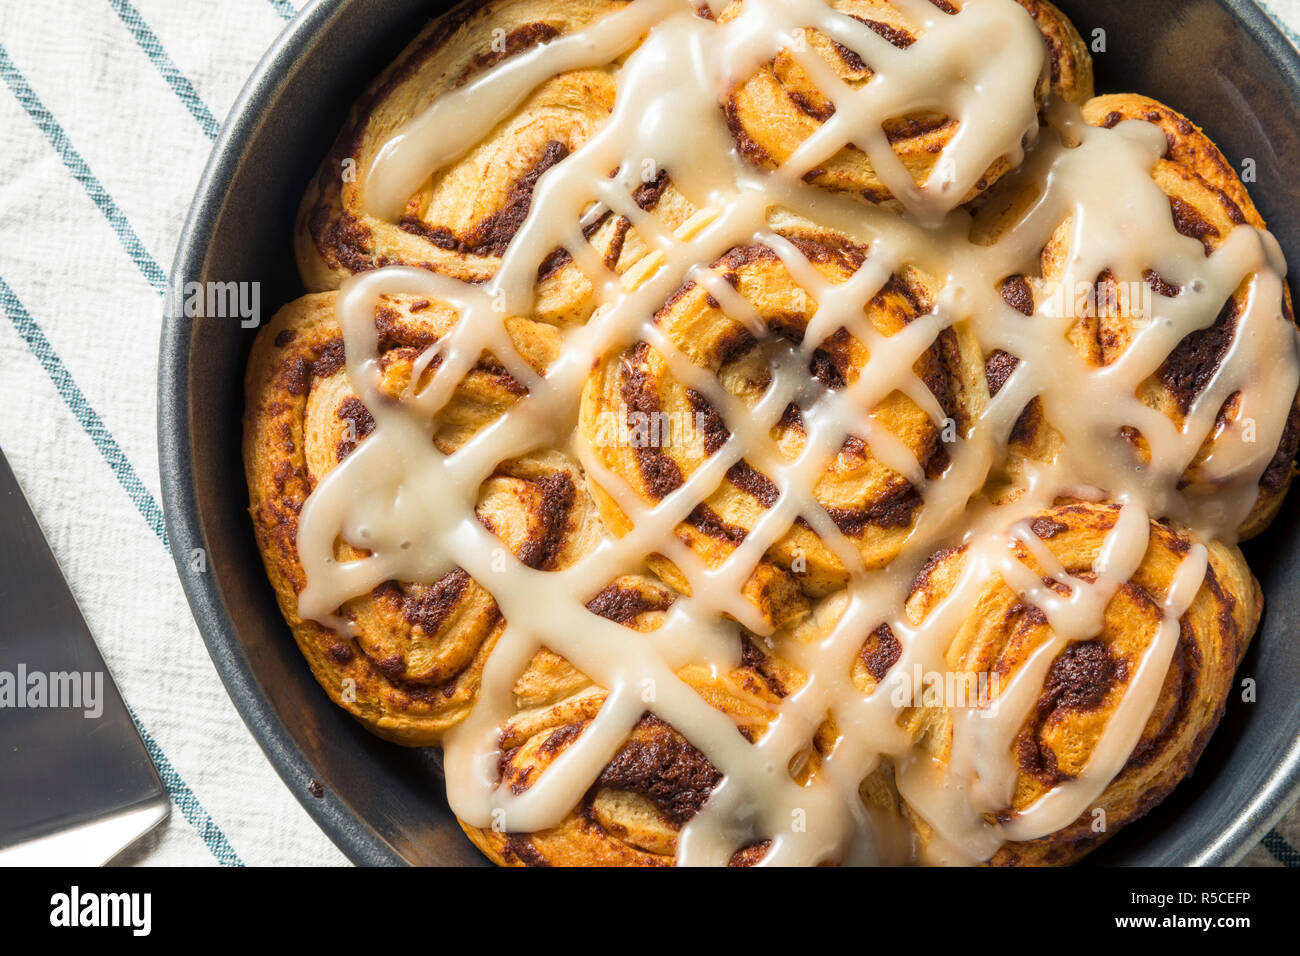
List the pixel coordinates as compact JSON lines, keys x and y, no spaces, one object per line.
{"x":774,"y":111}
{"x":461,"y":220}
{"x":688,"y":403}
{"x":404,"y":658}
{"x":739,"y":345}
{"x":656,"y":782}
{"x":1207,"y":201}
{"x":1077,"y":687}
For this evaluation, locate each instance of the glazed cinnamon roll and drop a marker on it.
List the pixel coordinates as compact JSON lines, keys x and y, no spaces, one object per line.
{"x":655,"y":783}
{"x":409,"y":669}
{"x":774,"y":111}
{"x":1207,"y":201}
{"x":461,"y":220}
{"x":871,"y":504}
{"x":763,"y":376}
{"x":1072,"y":711}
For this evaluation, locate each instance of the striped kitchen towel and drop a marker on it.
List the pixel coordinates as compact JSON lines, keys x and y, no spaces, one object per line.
{"x":108,"y":119}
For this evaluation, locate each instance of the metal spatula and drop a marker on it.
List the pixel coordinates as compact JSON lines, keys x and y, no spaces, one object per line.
{"x":76,"y":783}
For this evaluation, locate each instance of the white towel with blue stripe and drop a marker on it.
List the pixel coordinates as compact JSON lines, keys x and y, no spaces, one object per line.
{"x":109,"y":109}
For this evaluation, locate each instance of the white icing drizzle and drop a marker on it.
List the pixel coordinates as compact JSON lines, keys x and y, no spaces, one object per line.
{"x":413,"y":507}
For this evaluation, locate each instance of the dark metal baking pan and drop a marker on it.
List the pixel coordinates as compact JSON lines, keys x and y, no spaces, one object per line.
{"x":1223,"y":62}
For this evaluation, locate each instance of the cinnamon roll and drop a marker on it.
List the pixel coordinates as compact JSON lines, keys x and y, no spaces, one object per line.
{"x":774,"y":111}
{"x":461,"y":220}
{"x":775,"y":431}
{"x":655,"y":783}
{"x":1076,"y":688}
{"x":871,"y":504}
{"x":1207,"y":202}
{"x":410,"y":668}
